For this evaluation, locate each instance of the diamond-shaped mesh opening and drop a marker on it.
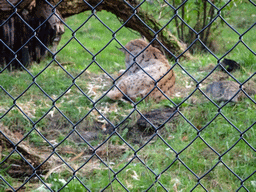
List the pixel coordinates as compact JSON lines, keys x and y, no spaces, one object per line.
{"x":207,"y":111}
{"x":33,"y":103}
{"x":112,"y":151}
{"x":179,"y":133}
{"x":90,"y":168}
{"x":64,"y":149}
{"x":243,"y":111}
{"x":92,"y":85}
{"x":243,"y":17}
{"x":15,"y":84}
{"x":111,"y":111}
{"x":61,"y":125}
{"x":141,"y":176}
{"x":199,"y":150}
{"x":84,"y":135}
{"x":241,"y":154}
{"x":22,"y":124}
{"x":220,"y":135}
{"x":73,"y":104}
{"x":104,"y":58}
{"x":49,"y":76}
{"x":92,"y":129}
{"x":54,"y":180}
{"x":211,"y":180}
{"x":81,"y":57}
{"x":89,"y":30}
{"x":150,"y":152}
{"x":175,"y":176}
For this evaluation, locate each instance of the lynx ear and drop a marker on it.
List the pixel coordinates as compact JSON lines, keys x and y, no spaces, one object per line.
{"x":143,"y":38}
{"x":121,"y":49}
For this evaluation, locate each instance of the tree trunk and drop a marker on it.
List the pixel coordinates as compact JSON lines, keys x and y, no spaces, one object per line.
{"x":17,"y":37}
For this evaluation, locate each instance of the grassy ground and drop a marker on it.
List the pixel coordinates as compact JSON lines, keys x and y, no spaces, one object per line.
{"x":156,"y":157}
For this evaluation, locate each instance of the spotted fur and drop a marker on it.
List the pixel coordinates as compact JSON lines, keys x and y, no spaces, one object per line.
{"x":135,"y":82}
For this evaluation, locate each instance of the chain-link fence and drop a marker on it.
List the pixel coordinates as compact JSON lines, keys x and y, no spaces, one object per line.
{"x":59,"y":132}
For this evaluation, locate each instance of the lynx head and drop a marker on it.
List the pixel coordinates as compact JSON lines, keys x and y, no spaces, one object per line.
{"x":134,"y":48}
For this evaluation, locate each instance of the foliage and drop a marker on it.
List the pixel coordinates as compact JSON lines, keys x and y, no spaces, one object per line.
{"x":194,"y":19}
{"x":72,"y":59}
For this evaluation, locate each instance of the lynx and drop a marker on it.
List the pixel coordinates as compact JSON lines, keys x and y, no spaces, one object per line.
{"x":135,"y":82}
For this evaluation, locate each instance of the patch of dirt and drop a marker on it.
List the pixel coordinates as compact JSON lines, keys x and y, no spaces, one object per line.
{"x":142,"y":130}
{"x":157,"y":117}
{"x":19,"y":168}
{"x":98,"y":131}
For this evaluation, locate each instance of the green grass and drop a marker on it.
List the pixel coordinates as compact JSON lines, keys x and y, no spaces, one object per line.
{"x":94,"y":36}
{"x":157,"y":155}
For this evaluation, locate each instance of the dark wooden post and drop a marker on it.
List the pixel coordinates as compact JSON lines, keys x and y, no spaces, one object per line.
{"x":22,"y":40}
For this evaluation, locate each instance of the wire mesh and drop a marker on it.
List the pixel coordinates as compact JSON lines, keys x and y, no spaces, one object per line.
{"x":115,"y":175}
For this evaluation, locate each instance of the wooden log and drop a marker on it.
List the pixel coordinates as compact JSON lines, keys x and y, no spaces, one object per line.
{"x":6,"y":8}
{"x":16,"y":49}
{"x":18,"y":36}
{"x":8,"y":141}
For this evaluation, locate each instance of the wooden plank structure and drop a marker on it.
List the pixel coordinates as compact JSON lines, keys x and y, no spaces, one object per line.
{"x":26,"y":32}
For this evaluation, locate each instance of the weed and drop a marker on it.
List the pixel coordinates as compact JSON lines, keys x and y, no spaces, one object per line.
{"x":230,"y":124}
